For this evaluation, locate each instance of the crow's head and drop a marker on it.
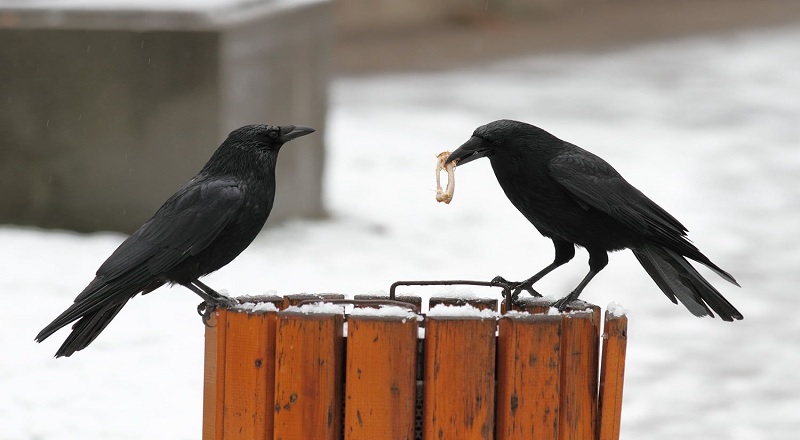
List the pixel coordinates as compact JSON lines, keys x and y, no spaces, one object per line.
{"x":265,"y":137}
{"x":252,"y":147}
{"x":489,"y":138}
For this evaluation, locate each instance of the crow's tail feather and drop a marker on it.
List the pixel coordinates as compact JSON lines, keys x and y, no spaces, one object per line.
{"x":94,"y":308}
{"x":86,"y":330}
{"x":680,"y":281}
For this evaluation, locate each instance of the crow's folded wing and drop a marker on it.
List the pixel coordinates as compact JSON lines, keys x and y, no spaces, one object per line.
{"x":185,"y":225}
{"x":593,"y":183}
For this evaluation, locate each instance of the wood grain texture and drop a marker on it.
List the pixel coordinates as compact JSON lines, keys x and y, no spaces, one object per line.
{"x":579,"y":364}
{"x":528,"y":377}
{"x":380,"y":378}
{"x":308,"y":376}
{"x":459,"y":378}
{"x":612,"y":376}
{"x":239,"y":376}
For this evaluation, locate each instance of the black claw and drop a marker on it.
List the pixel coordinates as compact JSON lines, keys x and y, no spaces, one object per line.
{"x":565,"y":302}
{"x":207,"y":308}
{"x":501,"y":280}
{"x":528,"y":287}
{"x":207,"y":315}
{"x":517,"y":287}
{"x":561,"y":304}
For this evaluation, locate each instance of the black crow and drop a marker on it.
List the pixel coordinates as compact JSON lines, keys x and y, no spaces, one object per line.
{"x":202,"y":227}
{"x":575,"y":198}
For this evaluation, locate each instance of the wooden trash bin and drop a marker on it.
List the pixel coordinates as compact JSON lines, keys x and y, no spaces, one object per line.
{"x":314,"y":371}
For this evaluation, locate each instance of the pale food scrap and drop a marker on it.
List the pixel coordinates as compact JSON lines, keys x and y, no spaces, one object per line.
{"x":445,"y":195}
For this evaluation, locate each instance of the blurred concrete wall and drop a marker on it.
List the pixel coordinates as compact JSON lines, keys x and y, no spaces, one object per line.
{"x":106,"y":113}
{"x":362,"y":17}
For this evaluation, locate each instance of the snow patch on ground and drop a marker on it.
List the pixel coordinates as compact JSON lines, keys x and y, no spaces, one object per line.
{"x":706,"y":127}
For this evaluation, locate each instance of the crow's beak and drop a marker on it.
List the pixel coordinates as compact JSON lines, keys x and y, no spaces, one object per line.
{"x":290,"y":132}
{"x":472,"y":149}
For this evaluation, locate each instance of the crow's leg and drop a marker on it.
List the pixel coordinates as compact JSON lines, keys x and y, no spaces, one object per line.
{"x":211,"y":299}
{"x":213,"y":294}
{"x":564,"y":252}
{"x":598,"y":259}
{"x":209,"y":295}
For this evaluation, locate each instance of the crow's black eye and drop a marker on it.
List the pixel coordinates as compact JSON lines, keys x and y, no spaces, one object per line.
{"x":487,"y":139}
{"x":273,"y":134}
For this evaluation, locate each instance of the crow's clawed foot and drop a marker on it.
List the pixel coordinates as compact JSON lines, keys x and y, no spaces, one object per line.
{"x":517,"y":287}
{"x":207,"y":308}
{"x":562,"y":304}
{"x":206,"y":311}
{"x":570,"y":300}
{"x":510,"y":286}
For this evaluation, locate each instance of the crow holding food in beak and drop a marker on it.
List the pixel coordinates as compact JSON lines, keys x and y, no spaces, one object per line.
{"x":207,"y":223}
{"x":576,"y":198}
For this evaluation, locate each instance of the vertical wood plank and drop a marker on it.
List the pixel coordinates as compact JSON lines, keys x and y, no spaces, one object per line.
{"x":579,"y":361}
{"x":249,"y":375}
{"x":528,"y":377}
{"x":459,"y":386}
{"x":380,"y":378}
{"x":214,"y":376}
{"x":239,"y":374}
{"x":612,"y":375}
{"x":308,"y":376}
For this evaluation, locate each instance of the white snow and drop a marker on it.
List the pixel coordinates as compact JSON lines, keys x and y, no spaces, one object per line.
{"x":322,"y":308}
{"x":385,"y":311}
{"x":517,"y":314}
{"x":616,"y":309}
{"x":707,"y":127}
{"x":465,"y":311}
{"x":456,"y":292}
{"x":256,"y":308}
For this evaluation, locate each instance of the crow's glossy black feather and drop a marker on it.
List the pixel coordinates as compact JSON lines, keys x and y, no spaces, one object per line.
{"x":571,"y":195}
{"x":202,"y":227}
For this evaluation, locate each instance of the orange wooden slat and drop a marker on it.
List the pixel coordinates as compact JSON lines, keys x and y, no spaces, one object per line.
{"x":249,"y":375}
{"x":459,"y":377}
{"x":308,"y":376}
{"x":380,"y":378}
{"x":214,"y":376}
{"x":579,"y":362}
{"x":612,"y":375}
{"x":239,"y":374}
{"x":528,"y":377}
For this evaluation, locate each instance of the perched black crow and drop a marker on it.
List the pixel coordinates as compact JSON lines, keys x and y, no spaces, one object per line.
{"x":202,"y":227}
{"x":575,"y":198}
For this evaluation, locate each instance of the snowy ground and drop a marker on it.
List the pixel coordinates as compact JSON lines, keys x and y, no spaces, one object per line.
{"x":707,"y":127}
